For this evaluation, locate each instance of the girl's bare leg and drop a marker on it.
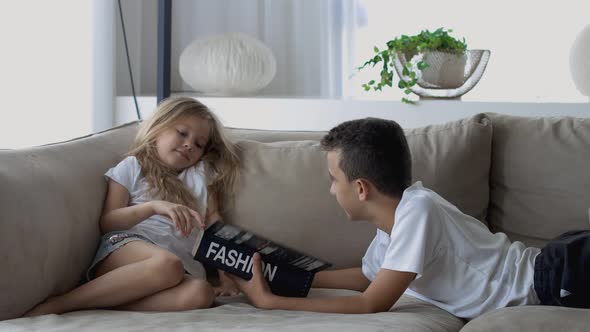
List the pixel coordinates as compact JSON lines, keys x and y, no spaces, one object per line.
{"x":131,"y":273}
{"x":190,"y":294}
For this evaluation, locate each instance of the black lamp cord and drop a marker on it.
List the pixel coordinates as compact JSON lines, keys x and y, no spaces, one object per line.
{"x":128,"y":61}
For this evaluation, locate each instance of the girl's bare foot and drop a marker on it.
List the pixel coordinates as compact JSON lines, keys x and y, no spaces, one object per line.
{"x":49,"y":306}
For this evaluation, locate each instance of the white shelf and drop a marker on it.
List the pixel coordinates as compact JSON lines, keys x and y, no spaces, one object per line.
{"x":323,"y":114}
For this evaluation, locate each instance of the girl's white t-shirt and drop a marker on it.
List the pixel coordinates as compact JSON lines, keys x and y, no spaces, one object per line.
{"x":159,"y":229}
{"x":461,"y":266}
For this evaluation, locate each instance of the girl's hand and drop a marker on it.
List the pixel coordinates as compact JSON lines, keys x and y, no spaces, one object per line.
{"x":183,"y":217}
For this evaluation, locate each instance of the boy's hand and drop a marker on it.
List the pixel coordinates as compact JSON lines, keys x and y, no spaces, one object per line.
{"x":183,"y":217}
{"x":256,"y":289}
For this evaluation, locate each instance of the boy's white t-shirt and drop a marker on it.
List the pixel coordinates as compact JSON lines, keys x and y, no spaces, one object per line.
{"x":461,"y":266}
{"x":159,"y":229}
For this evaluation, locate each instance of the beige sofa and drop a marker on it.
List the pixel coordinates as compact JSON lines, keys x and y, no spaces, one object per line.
{"x":528,"y":177}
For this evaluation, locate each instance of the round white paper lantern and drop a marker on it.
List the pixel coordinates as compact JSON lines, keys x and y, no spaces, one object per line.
{"x":227,"y":65}
{"x":580,"y":61}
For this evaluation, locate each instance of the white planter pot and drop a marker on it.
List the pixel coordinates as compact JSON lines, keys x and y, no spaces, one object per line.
{"x":446,"y":70}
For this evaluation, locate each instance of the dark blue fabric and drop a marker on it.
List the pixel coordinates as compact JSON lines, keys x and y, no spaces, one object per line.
{"x":564,"y":265}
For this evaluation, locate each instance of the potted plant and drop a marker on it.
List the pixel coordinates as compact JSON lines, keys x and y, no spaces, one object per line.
{"x":434,"y":58}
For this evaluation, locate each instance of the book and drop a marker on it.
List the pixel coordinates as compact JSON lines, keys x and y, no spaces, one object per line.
{"x":230,"y":248}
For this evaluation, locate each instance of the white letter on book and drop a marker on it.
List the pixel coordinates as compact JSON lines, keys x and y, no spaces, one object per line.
{"x":269,"y":271}
{"x":211,"y":250}
{"x":244,"y":262}
{"x":220,"y":255}
{"x":231,"y":258}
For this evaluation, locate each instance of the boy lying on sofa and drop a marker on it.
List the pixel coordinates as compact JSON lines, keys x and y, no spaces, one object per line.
{"x":424,"y":246}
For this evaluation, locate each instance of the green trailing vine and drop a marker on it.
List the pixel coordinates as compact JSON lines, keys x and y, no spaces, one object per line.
{"x":439,"y":40}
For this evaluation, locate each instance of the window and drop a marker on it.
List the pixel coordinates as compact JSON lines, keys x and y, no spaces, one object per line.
{"x":530,"y":43}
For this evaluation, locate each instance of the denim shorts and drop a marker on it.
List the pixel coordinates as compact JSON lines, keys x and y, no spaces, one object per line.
{"x":109,"y":243}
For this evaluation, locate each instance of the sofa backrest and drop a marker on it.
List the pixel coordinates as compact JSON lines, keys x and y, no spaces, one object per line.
{"x":51,"y":198}
{"x":285,"y":185}
{"x":50,"y":202}
{"x":540,"y":177}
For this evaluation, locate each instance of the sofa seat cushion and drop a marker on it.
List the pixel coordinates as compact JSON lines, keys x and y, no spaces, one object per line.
{"x":531,"y":318}
{"x":408,"y":314}
{"x":540,"y":177}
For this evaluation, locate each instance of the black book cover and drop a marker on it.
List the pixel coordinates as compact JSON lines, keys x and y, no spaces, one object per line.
{"x":230,"y":248}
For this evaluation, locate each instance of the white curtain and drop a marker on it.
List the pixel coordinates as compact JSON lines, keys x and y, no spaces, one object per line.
{"x":309,"y":38}
{"x":104,"y":16}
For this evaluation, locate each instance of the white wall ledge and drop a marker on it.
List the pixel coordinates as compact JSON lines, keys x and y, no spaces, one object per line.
{"x":323,"y":114}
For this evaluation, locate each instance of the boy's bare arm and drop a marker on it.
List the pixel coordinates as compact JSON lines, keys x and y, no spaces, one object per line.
{"x":380,"y":296}
{"x":352,"y":278}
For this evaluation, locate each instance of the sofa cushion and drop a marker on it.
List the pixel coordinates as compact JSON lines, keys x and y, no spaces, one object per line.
{"x":284,"y":192}
{"x":51,"y":199}
{"x":409,"y":314}
{"x":540,"y":177}
{"x":284,"y":195}
{"x":269,"y":136}
{"x":453,"y":159}
{"x":531,"y":318}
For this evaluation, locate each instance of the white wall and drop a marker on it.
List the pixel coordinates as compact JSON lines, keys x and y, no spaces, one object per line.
{"x":45,"y":71}
{"x":323,"y":114}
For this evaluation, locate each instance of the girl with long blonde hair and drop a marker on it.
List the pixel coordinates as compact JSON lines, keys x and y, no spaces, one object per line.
{"x":159,"y":197}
